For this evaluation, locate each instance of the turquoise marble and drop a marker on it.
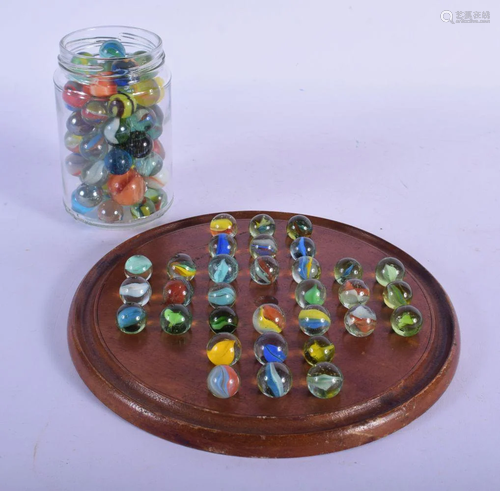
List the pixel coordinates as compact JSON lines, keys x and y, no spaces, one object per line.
{"x":131,"y":319}
{"x":223,"y":269}
{"x":112,"y":49}
{"x":274,"y":379}
{"x":221,"y":295}
{"x":139,"y":265}
{"x":150,"y":165}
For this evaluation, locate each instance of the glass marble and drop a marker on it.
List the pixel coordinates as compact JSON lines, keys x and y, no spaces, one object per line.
{"x":223,"y":381}
{"x":95,"y":173}
{"x":270,"y":347}
{"x":150,"y":165}
{"x":264,"y":270}
{"x":146,"y":92}
{"x":268,"y":317}
{"x":222,"y":244}
{"x":176,"y":319}
{"x":75,"y":163}
{"x":263,"y":245}
{"x":223,"y":223}
{"x":223,"y":269}
{"x":274,"y":379}
{"x":347,"y":268}
{"x":74,"y":96}
{"x":223,"y":319}
{"x":397,"y":293}
{"x":72,"y":142}
{"x":360,"y":321}
{"x":77,"y":206}
{"x":135,"y":290}
{"x":110,"y":212}
{"x":76,"y":125}
{"x":310,"y":292}
{"x":354,"y":292}
{"x":93,"y":146}
{"x":388,"y":270}
{"x":221,"y":295}
{"x":299,"y":226}
{"x":181,"y":266}
{"x":305,"y":268}
{"x":143,"y":209}
{"x":118,"y":161}
{"x":143,"y":119}
{"x":261,"y":224}
{"x":324,"y":380}
{"x":157,"y":196}
{"x":159,"y":180}
{"x":116,"y":131}
{"x":224,"y":349}
{"x":112,"y":49}
{"x":314,"y":320}
{"x":303,"y":246}
{"x":122,"y":105}
{"x":138,"y":265}
{"x":318,"y":349}
{"x":139,"y":145}
{"x":406,"y":320}
{"x":95,"y":112}
{"x":88,"y":196}
{"x":178,"y":291}
{"x":131,"y":318}
{"x":128,"y":188}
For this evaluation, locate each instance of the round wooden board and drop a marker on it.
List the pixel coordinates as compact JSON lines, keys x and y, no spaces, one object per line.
{"x":158,"y":382}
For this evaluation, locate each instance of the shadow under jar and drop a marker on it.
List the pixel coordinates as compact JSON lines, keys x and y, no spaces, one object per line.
{"x":114,"y":113}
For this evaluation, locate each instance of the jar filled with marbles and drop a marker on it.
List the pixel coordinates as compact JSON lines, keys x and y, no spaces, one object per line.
{"x":113,"y":103}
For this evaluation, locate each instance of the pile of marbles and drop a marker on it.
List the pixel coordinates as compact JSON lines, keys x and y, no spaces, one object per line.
{"x":113,"y":135}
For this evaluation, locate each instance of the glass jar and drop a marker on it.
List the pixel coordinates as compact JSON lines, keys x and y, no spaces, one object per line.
{"x":114,"y":114}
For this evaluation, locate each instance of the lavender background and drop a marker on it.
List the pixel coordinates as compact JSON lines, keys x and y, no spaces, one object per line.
{"x":377,"y":114}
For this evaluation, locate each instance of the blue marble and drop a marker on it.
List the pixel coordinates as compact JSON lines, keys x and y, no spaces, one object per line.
{"x":221,"y":295}
{"x":223,"y":269}
{"x":77,"y":206}
{"x":270,"y":347}
{"x":112,"y":49}
{"x":223,"y":381}
{"x":274,"y":379}
{"x":303,"y":246}
{"x":222,"y":244}
{"x":93,"y":146}
{"x":118,"y":161}
{"x":131,"y":319}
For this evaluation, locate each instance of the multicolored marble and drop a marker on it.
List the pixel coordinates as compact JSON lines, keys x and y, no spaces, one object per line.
{"x":223,"y":319}
{"x":310,"y":292}
{"x":95,"y":173}
{"x":95,"y":112}
{"x":406,"y":321}
{"x":223,"y":269}
{"x":127,"y":189}
{"x":176,"y":319}
{"x":122,"y":105}
{"x":143,"y":209}
{"x":263,"y":245}
{"x":77,"y":207}
{"x":158,"y":197}
{"x":324,"y":380}
{"x":388,"y":270}
{"x":360,"y":321}
{"x":72,"y":142}
{"x":146,"y":92}
{"x":305,"y":268}
{"x":178,"y":291}
{"x":181,"y":266}
{"x":303,"y":246}
{"x":76,"y":125}
{"x":112,"y":49}
{"x":261,"y":224}
{"x":274,"y":379}
{"x":74,"y":96}
{"x":131,"y":318}
{"x":150,"y":165}
{"x":318,"y":349}
{"x":299,"y":226}
{"x":353,"y":292}
{"x":221,"y":295}
{"x":397,"y":293}
{"x":75,"y":163}
{"x":135,"y":290}
{"x":222,"y":244}
{"x":224,"y":349}
{"x":110,"y":212}
{"x":314,"y":320}
{"x":88,"y":196}
{"x":223,"y":381}
{"x":347,"y":268}
{"x":270,"y":347}
{"x":223,"y":223}
{"x":144,"y":119}
{"x":138,"y":265}
{"x":93,"y":146}
{"x":116,"y":131}
{"x":264,"y":270}
{"x":268,"y":318}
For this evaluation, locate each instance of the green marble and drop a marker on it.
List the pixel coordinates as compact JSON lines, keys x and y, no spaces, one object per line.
{"x":223,"y":319}
{"x":397,"y":293}
{"x":388,"y":270}
{"x":139,"y":266}
{"x":324,"y":380}
{"x":406,"y":321}
{"x":310,"y":292}
{"x":176,"y":319}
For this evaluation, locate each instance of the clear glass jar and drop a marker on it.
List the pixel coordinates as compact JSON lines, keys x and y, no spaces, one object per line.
{"x":114,"y":113}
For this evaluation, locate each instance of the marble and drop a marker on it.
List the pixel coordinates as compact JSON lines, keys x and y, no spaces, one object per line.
{"x":221,"y":295}
{"x":135,"y":290}
{"x":263,"y":245}
{"x":264,"y":270}
{"x":143,"y":209}
{"x":347,"y":268}
{"x":176,"y":319}
{"x":310,"y":292}
{"x":138,"y":265}
{"x":224,"y":349}
{"x":72,"y":142}
{"x":75,"y":163}
{"x":139,"y":144}
{"x":314,"y":320}
{"x":144,"y":119}
{"x":150,"y":165}
{"x":299,"y":226}
{"x":110,"y":212}
{"x":360,"y":321}
{"x":118,"y":161}
{"x":146,"y":92}
{"x":354,"y":292}
{"x":223,"y":269}
{"x":112,"y":49}
{"x":324,"y":380}
{"x":223,"y":319}
{"x":261,"y":224}
{"x":224,"y":223}
{"x":74,"y":96}
{"x":179,"y":291}
{"x":116,"y":131}
{"x":122,"y":105}
{"x":222,"y":244}
{"x":406,"y":321}
{"x":93,"y":146}
{"x":397,"y":293}
{"x":88,"y":196}
{"x":274,"y":379}
{"x":268,"y":317}
{"x":318,"y":349}
{"x":77,"y":126}
{"x":388,"y":270}
{"x":305,"y":268}
{"x":270,"y":347}
{"x":181,"y":266}
{"x":127,"y":189}
{"x":95,"y":112}
{"x":223,"y":381}
{"x":131,"y":318}
{"x":158,"y":197}
{"x":302,"y":246}
{"x":95,"y":174}
{"x":77,"y":207}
